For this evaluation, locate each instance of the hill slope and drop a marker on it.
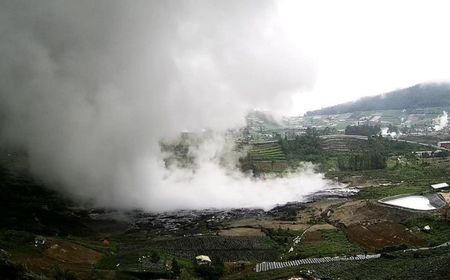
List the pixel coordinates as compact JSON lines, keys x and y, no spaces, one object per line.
{"x":418,"y":96}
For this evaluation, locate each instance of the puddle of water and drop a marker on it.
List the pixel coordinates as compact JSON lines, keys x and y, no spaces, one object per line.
{"x":417,"y":202}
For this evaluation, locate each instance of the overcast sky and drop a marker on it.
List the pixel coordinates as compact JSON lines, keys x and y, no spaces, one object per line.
{"x":361,"y":48}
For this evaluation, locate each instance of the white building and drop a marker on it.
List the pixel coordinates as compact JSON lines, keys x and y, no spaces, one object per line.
{"x":440,"y":186}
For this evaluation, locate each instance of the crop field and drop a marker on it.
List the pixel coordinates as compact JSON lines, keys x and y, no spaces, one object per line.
{"x":440,"y":229}
{"x":381,"y":235}
{"x":411,"y":265}
{"x":225,"y":248}
{"x":325,"y":243}
{"x":271,"y":151}
{"x":415,"y":175}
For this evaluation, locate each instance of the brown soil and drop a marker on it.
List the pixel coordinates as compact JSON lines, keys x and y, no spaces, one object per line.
{"x":313,"y":236}
{"x":269,"y":223}
{"x":68,"y":252}
{"x":67,"y":255}
{"x":381,"y":235}
{"x":362,"y":211}
{"x":446,"y":196}
{"x":242,"y":232}
{"x":275,"y":224}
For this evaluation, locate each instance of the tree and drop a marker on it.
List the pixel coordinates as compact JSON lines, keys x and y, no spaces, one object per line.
{"x":374,"y":156}
{"x":304,"y":147}
{"x":211,"y":272}
{"x":366,"y":130}
{"x":154,"y":257}
{"x":175,"y":268}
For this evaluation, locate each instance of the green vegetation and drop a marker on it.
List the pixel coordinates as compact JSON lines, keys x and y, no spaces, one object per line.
{"x":249,"y":248}
{"x":303,"y":148}
{"x":362,"y":161}
{"x":29,"y":209}
{"x":210,"y":272}
{"x":385,"y":191}
{"x":366,"y":130}
{"x":418,"y":96}
{"x":440,"y":229}
{"x":176,"y":270}
{"x":373,"y":156}
{"x":411,"y":265}
{"x":330,"y":243}
{"x":270,"y":151}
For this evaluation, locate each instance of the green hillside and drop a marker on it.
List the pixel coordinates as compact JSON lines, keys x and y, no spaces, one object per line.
{"x":418,"y":96}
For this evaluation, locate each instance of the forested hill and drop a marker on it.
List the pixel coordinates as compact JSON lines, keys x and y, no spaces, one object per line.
{"x":418,"y":96}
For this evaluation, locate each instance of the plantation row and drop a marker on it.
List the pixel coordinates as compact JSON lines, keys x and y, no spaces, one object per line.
{"x":266,"y":148}
{"x":265,"y":266}
{"x":215,"y":243}
{"x":227,"y":255}
{"x":269,"y":158}
{"x":224,"y":248}
{"x":267,"y":152}
{"x":274,"y":152}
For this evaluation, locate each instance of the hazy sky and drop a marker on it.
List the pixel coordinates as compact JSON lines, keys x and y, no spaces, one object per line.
{"x":367,"y":47}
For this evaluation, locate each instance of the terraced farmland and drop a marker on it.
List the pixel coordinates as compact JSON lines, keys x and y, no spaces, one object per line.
{"x":267,"y":151}
{"x":254,"y":248}
{"x":266,"y":157}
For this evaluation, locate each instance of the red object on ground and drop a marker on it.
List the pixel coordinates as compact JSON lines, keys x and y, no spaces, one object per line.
{"x":105,"y":242}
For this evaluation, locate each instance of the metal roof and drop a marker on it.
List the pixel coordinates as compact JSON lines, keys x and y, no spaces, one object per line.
{"x":439,"y":186}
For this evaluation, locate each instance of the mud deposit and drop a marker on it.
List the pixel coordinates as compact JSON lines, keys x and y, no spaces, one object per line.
{"x":378,"y":236}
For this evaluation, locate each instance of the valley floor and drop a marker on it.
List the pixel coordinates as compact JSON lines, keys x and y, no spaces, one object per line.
{"x":46,"y":236}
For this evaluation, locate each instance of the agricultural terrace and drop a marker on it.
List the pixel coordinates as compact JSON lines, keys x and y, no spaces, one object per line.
{"x":266,"y":151}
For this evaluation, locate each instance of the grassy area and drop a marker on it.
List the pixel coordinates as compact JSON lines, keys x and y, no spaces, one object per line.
{"x":413,"y":171}
{"x":332,"y":243}
{"x":413,"y":265}
{"x":440,"y":229}
{"x":385,"y":191}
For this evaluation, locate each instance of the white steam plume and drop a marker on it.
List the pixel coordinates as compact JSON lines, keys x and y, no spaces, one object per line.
{"x":88,"y":88}
{"x":442,"y":121}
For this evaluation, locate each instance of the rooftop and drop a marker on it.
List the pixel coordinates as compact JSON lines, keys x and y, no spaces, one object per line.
{"x":440,"y":186}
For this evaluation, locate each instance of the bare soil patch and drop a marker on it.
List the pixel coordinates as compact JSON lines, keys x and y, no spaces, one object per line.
{"x":244,"y":231}
{"x":269,"y":223}
{"x":68,"y":252}
{"x":64,"y":254}
{"x":381,"y":235}
{"x":313,"y":236}
{"x":362,"y":211}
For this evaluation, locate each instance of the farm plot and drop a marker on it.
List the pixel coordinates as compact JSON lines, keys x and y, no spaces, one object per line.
{"x":378,"y":236}
{"x":270,"y":152}
{"x":322,"y":243}
{"x":232,"y":248}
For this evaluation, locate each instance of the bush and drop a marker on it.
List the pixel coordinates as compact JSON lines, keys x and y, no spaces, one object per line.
{"x":210,"y":272}
{"x":175,"y":268}
{"x":59,"y":273}
{"x":366,"y":130}
{"x":305,"y":147}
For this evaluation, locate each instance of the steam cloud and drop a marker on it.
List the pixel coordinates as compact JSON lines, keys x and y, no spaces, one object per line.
{"x":88,"y":88}
{"x":441,"y":121}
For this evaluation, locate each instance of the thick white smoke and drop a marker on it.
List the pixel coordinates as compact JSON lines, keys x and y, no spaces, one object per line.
{"x":441,"y":121}
{"x":89,"y":88}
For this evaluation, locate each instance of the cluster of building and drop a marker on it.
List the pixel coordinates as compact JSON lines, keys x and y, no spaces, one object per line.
{"x":262,"y":127}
